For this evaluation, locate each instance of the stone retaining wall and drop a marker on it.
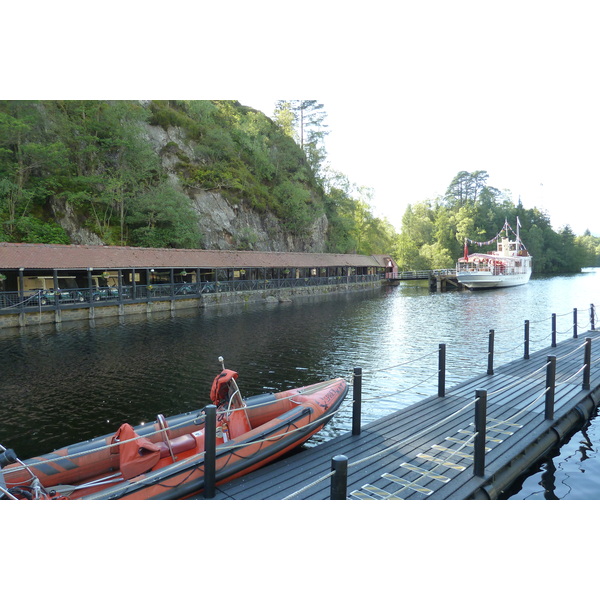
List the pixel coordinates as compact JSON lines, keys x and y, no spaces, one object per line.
{"x":223,"y":298}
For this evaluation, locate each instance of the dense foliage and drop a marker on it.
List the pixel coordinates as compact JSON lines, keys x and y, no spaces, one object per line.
{"x":94,"y":159}
{"x":433,"y":231}
{"x":91,"y":157}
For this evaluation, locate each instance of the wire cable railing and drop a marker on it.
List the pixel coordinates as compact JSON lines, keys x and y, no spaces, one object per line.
{"x":547,"y":393}
{"x":439,"y":373}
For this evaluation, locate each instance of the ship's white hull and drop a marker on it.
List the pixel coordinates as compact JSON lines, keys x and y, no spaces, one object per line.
{"x":487,"y":280}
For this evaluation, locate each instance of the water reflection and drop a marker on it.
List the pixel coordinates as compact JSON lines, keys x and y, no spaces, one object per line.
{"x":571,"y":472}
{"x":67,"y":383}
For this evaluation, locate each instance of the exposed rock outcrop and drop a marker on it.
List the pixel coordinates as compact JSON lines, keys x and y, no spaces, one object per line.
{"x":223,"y":225}
{"x":227,"y":226}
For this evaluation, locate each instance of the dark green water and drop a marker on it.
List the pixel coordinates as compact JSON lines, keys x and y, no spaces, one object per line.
{"x":61,"y":384}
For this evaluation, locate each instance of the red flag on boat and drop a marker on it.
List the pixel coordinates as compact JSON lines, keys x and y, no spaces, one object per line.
{"x":466,"y":255}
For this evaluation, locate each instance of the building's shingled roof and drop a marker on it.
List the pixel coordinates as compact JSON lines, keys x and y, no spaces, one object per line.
{"x":55,"y":256}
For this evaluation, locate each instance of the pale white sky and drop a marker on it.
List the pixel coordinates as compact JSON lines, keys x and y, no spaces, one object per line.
{"x":415,"y":91}
{"x":417,"y":94}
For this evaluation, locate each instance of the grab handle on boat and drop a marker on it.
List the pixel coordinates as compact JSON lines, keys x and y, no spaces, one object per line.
{"x":162,"y":424}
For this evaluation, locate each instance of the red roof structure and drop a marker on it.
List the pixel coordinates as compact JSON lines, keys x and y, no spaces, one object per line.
{"x":63,"y":257}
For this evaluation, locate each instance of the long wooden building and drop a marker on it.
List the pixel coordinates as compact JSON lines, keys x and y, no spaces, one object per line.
{"x":56,"y":277}
{"x":18,"y":261}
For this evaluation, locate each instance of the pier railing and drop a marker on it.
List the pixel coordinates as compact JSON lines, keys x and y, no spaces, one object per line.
{"x":423,"y":274}
{"x":478,"y":406}
{"x":547,"y":375}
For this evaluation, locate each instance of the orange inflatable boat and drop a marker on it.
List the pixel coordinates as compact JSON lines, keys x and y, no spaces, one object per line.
{"x":166,"y":459}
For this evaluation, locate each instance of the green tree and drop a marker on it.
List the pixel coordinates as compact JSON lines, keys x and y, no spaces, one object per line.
{"x":284,"y":117}
{"x":590,"y":249}
{"x":30,"y":161}
{"x":433,"y":234}
{"x":163,"y":217}
{"x":307,"y":119}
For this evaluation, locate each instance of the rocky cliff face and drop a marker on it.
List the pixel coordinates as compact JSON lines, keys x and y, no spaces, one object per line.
{"x":227,"y":226}
{"x":235,"y":227}
{"x":223,"y":225}
{"x":68,"y":219}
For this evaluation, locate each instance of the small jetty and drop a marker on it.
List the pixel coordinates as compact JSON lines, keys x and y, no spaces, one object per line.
{"x":468,"y":442}
{"x":439,"y":280}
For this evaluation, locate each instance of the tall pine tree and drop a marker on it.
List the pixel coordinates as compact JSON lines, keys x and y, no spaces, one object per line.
{"x":306,"y":119}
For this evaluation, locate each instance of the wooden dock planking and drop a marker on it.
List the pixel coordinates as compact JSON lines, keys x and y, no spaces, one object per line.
{"x":414,"y":449}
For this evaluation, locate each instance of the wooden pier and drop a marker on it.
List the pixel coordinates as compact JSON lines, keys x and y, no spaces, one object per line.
{"x":437,"y":449}
{"x":439,"y":280}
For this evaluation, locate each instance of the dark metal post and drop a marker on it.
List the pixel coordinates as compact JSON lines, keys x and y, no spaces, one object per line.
{"x":120,"y":284}
{"x":90,"y":286}
{"x":526,"y":350}
{"x":592,"y":317}
{"x":490,"y":369}
{"x":133,"y":290}
{"x":442,"y":371}
{"x":210,"y":449}
{"x":574,"y":322}
{"x":480,"y":429}
{"x":587,"y":361}
{"x":21,"y":286}
{"x":554,"y":330}
{"x":550,"y":386}
{"x":55,"y":284}
{"x":339,"y":479}
{"x":356,"y":400}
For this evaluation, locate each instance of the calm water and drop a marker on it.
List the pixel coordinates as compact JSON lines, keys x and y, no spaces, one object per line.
{"x":66,"y":383}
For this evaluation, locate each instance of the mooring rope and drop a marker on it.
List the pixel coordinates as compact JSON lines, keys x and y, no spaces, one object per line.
{"x":571,"y":353}
{"x":397,"y":392}
{"x":518,"y":381}
{"x":563,"y":381}
{"x":408,"y":362}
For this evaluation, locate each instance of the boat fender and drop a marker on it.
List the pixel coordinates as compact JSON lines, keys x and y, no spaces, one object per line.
{"x":7,"y":457}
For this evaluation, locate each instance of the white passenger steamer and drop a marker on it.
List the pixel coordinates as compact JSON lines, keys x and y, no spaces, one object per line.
{"x":508,"y":266}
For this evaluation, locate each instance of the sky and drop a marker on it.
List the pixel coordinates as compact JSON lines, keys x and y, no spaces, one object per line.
{"x":414,"y":91}
{"x":511,"y":92}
